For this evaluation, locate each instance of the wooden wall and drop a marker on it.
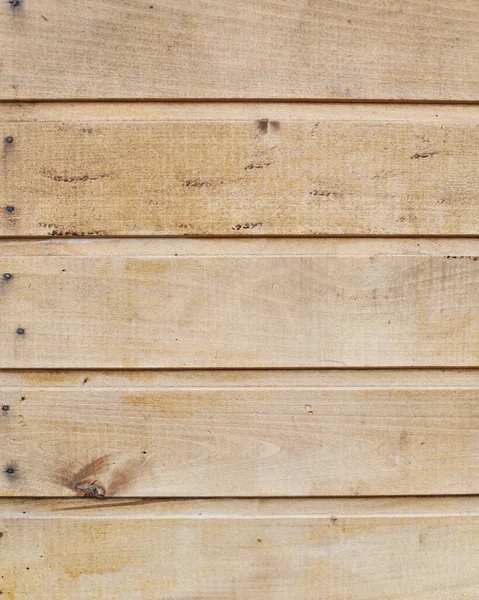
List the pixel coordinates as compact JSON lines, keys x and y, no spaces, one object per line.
{"x":239,"y":299}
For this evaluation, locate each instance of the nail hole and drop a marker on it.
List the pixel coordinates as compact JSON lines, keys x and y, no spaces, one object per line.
{"x":10,"y":471}
{"x":9,"y":139}
{"x":7,"y":275}
{"x":20,"y":331}
{"x":10,"y":209}
{"x":1,"y":534}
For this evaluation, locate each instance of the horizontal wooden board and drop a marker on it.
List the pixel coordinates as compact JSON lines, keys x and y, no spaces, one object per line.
{"x":238,"y":378}
{"x":238,"y":170}
{"x":413,"y":49}
{"x":342,"y":549}
{"x":240,"y":434}
{"x":163,"y":303}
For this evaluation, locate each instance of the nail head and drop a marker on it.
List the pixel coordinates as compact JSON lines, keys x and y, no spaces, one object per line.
{"x":10,"y":209}
{"x":5,"y":407}
{"x":9,"y":139}
{"x":7,"y":275}
{"x":20,"y":331}
{"x":10,"y":471}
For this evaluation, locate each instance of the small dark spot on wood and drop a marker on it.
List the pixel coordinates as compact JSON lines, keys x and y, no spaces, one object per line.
{"x":57,"y":233}
{"x":77,"y":178}
{"x":257,"y":165}
{"x":44,"y":18}
{"x":85,"y":381}
{"x":423,"y":154}
{"x":241,"y":226}
{"x":321,"y":193}
{"x":309,"y":409}
{"x":262,"y":126}
{"x":455,"y":257}
{"x":10,"y":470}
{"x":403,"y":438}
{"x":333,"y":519}
{"x":23,"y":398}
{"x":260,"y":540}
{"x":15,"y":3}
{"x":198,"y":183}
{"x":91,"y":490}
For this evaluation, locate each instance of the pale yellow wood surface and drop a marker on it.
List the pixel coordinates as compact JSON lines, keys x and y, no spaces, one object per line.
{"x":242,"y":434}
{"x":237,"y":378}
{"x":329,"y":549}
{"x":239,"y":170}
{"x":312,"y":49}
{"x":239,"y":303}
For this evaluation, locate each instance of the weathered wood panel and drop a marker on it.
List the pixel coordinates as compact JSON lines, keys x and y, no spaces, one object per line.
{"x":60,"y":49}
{"x":26,"y":380}
{"x":239,"y":170}
{"x":242,"y":434}
{"x":341,"y":549}
{"x":239,"y":303}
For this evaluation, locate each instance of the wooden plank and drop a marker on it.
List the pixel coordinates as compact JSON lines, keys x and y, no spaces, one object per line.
{"x":343,"y":549}
{"x":239,"y":170}
{"x":163,"y":303}
{"x":421,"y":50}
{"x":237,"y":378}
{"x":207,"y":434}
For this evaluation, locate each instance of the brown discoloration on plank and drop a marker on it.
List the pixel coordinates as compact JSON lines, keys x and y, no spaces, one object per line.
{"x":311,"y":50}
{"x":316,"y":170}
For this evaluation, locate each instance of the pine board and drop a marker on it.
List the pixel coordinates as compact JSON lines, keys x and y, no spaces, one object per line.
{"x":406,"y":549}
{"x":240,"y":433}
{"x":218,"y":169}
{"x":207,"y":49}
{"x":256,"y":303}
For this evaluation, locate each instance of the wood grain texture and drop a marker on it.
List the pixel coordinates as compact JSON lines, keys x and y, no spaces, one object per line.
{"x":240,"y":434}
{"x":320,"y":49}
{"x":238,"y":378}
{"x":239,"y":303}
{"x":346,"y":549}
{"x":238,"y":170}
